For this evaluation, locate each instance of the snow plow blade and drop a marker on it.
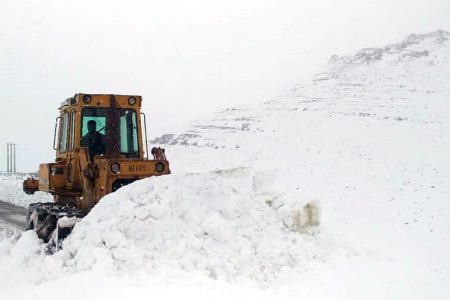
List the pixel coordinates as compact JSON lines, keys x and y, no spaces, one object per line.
{"x":52,"y":222}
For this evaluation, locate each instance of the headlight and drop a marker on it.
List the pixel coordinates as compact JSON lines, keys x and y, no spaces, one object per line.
{"x":115,"y":167}
{"x":159,"y":167}
{"x":132,"y":101}
{"x":87,"y":99}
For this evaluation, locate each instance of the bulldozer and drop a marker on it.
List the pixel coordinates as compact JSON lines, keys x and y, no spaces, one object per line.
{"x":101,"y":145}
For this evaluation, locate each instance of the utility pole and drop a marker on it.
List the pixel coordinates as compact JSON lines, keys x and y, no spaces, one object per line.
{"x":14,"y":170}
{"x":7,"y":157}
{"x":11,"y":158}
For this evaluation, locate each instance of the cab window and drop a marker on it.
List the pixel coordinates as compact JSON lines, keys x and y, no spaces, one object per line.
{"x":63,"y":127}
{"x":128,"y":133}
{"x":93,"y":114}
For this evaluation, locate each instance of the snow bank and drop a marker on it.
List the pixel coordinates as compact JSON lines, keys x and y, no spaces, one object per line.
{"x":218,"y":224}
{"x":8,"y":237}
{"x":212,"y":223}
{"x":11,"y":191}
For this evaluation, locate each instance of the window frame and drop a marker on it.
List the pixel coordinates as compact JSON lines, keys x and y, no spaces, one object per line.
{"x":135,"y":140}
{"x":73,"y":121}
{"x":82,"y":121}
{"x":136,"y":152}
{"x":63,"y":129}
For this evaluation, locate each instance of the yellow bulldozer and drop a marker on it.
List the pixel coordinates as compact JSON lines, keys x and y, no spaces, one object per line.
{"x":101,"y":145}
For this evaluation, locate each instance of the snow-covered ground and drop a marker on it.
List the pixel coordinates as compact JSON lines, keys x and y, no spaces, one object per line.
{"x":337,"y":190}
{"x":11,"y":190}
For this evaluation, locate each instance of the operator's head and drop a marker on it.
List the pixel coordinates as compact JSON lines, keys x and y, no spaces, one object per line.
{"x":92,"y":126}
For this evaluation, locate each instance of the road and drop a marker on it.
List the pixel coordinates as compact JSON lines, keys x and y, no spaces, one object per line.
{"x":13,"y":215}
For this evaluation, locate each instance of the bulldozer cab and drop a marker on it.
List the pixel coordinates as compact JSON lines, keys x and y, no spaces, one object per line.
{"x":103,"y":124}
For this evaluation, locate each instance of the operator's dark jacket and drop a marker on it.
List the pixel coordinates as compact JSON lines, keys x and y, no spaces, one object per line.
{"x":94,"y":142}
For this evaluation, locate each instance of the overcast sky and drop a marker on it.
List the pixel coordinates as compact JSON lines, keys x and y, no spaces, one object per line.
{"x":186,"y":58}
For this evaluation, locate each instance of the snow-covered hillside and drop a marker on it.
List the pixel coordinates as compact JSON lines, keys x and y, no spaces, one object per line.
{"x":369,"y":138}
{"x":405,"y":81}
{"x":336,"y":190}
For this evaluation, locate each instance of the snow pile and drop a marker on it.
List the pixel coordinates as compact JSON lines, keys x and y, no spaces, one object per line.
{"x":8,"y":237}
{"x":213,"y":223}
{"x":11,"y":190}
{"x":223,"y":224}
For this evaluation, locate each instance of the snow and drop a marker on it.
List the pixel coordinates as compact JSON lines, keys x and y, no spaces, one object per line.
{"x":11,"y":190}
{"x":338,"y":189}
{"x":211,"y":223}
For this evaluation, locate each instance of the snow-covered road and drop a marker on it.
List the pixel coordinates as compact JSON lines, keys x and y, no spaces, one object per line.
{"x":12,"y":214}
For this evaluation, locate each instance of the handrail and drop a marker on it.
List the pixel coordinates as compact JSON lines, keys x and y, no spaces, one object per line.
{"x":145,"y":133}
{"x":56,"y":147}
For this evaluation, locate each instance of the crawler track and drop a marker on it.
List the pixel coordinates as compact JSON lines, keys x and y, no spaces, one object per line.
{"x":52,"y":222}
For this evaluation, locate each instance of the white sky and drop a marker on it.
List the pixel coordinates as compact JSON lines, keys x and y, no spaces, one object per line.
{"x":187,"y":58}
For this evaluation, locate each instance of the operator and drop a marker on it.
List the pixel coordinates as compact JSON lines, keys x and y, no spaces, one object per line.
{"x":93,"y":140}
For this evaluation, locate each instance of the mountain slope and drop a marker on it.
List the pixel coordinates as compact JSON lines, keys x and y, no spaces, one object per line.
{"x":369,"y":137}
{"x":393,"y":82}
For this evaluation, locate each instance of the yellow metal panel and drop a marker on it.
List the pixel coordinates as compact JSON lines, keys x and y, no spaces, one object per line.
{"x":103,"y":100}
{"x":57,"y":176}
{"x":138,"y":168}
{"x":44,"y":177}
